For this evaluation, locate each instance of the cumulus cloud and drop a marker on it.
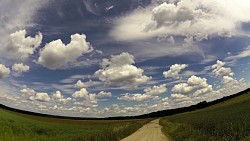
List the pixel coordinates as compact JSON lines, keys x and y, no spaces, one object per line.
{"x":113,"y":109}
{"x":79,"y":109}
{"x":89,"y":104}
{"x":182,"y":88}
{"x":232,"y":86}
{"x":103,"y":94}
{"x":18,"y":69}
{"x":197,"y":89}
{"x":19,"y":17}
{"x":83,"y":93}
{"x":179,"y":96}
{"x":228,"y":79}
{"x":184,"y":18}
{"x":41,"y":107}
{"x":43,"y":97}
{"x":57,"y":95}
{"x":120,"y":109}
{"x":180,"y":100}
{"x":33,"y":95}
{"x":20,"y":47}
{"x":57,"y":55}
{"x":195,"y":86}
{"x":59,"y":98}
{"x":174,"y":71}
{"x":149,"y":93}
{"x":27,"y":91}
{"x":79,"y":84}
{"x":91,"y":100}
{"x":156,"y":90}
{"x":221,"y":71}
{"x":134,"y":97}
{"x":226,"y":74}
{"x":4,"y":71}
{"x":119,"y":70}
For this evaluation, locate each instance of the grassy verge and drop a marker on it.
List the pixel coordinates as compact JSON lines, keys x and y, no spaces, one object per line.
{"x":20,"y":127}
{"x":227,"y":121}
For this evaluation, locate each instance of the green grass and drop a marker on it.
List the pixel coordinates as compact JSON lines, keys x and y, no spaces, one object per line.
{"x":21,"y":127}
{"x":226,"y":121}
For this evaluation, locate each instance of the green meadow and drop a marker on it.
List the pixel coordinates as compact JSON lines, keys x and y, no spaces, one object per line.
{"x":226,"y":121}
{"x":21,"y":127}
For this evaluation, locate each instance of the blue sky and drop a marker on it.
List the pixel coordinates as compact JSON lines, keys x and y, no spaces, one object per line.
{"x":116,"y":58}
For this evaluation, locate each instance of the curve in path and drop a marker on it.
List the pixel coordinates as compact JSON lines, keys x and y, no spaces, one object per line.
{"x":149,"y":132}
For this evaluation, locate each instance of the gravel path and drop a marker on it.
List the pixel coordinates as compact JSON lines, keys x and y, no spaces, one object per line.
{"x":149,"y":132}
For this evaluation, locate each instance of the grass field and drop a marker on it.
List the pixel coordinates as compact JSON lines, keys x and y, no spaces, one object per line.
{"x":226,"y":121}
{"x":20,"y":127}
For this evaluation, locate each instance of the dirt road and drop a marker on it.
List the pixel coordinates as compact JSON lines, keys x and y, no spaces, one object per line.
{"x":149,"y":132}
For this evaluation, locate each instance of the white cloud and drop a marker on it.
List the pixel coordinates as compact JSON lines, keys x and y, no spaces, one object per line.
{"x":197,"y":89}
{"x":28,"y":92}
{"x":228,"y":79}
{"x":57,"y":95}
{"x":43,"y":97}
{"x":194,"y":80}
{"x":231,"y":86}
{"x":134,"y":97}
{"x":185,"y":18}
{"x":4,"y":71}
{"x":89,"y":100}
{"x":119,"y":70}
{"x":119,"y":109}
{"x":149,"y":93}
{"x":79,"y":84}
{"x":200,"y":85}
{"x":103,"y":94}
{"x":165,"y":99}
{"x":188,"y":41}
{"x":41,"y":107}
{"x":83,"y":98}
{"x":182,"y":88}
{"x":179,"y":96}
{"x":130,"y":27}
{"x":20,"y":46}
{"x":59,"y":98}
{"x":83,"y":93}
{"x":18,"y":69}
{"x":224,"y":73}
{"x":174,"y":71}
{"x":79,"y":109}
{"x":156,"y":90}
{"x":57,"y":55}
{"x":113,"y":109}
{"x":19,"y":17}
{"x":221,"y":71}
{"x":180,"y":100}
{"x":195,"y":85}
{"x":189,"y":73}
{"x":90,"y":104}
{"x":119,"y":60}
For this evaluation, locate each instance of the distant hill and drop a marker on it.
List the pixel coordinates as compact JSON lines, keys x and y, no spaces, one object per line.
{"x":149,"y":115}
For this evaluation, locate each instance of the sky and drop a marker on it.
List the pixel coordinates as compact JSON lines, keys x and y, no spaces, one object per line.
{"x":102,"y":58}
